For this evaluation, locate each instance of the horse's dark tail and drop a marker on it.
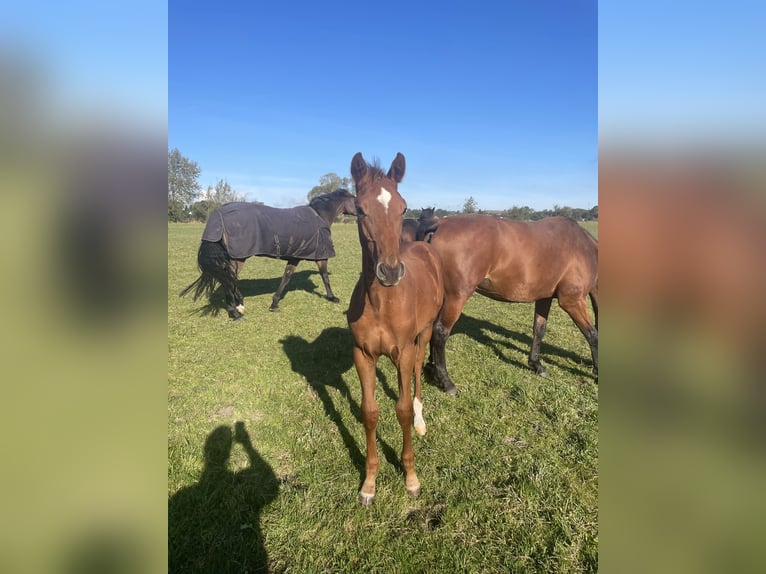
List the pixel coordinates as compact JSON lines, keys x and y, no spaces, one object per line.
{"x":214,"y":265}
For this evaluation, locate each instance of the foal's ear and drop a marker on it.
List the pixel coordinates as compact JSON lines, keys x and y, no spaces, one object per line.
{"x":396,"y":172}
{"x":358,"y":166}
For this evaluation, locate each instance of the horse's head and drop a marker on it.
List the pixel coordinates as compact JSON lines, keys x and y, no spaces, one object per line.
{"x":348,"y":205}
{"x":330,"y":205}
{"x":379,"y":210}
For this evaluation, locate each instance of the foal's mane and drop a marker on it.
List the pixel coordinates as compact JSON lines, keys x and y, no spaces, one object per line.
{"x":374,"y":169}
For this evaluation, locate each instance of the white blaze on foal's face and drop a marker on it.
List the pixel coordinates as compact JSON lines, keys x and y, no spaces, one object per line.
{"x":384,"y":198}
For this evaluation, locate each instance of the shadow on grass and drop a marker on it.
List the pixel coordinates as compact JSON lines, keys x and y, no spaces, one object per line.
{"x":300,"y":281}
{"x":488,"y":334}
{"x":214,"y":525}
{"x":322,"y":363}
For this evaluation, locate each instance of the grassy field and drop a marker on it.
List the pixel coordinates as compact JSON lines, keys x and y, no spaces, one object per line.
{"x":266,"y":448}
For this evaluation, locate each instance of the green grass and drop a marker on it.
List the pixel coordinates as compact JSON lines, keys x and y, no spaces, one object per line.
{"x":509,"y":468}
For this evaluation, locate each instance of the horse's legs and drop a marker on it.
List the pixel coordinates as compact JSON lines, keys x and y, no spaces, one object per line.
{"x":577,"y":308}
{"x":289,"y":269}
{"x":542,"y":308}
{"x":417,"y":403}
{"x":322,"y":265}
{"x":365,"y":368}
{"x":437,"y":362}
{"x":237,"y":265}
{"x":234,"y":302}
{"x":404,"y":413}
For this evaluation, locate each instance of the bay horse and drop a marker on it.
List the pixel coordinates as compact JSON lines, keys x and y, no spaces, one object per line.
{"x":392,"y":309}
{"x":514,"y":261}
{"x":238,"y":230}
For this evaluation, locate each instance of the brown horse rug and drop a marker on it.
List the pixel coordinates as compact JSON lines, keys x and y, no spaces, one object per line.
{"x":252,"y":229}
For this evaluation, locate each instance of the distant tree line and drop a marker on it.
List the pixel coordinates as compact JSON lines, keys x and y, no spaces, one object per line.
{"x":524,"y":213}
{"x":187,"y":201}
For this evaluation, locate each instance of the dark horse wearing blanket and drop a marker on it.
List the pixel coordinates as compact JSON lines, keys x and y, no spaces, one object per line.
{"x":392,"y":310}
{"x":236,"y":231}
{"x":514,"y":261}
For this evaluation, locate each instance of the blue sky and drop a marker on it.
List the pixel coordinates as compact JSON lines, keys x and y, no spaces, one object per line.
{"x":682,"y":72}
{"x":495,"y":100}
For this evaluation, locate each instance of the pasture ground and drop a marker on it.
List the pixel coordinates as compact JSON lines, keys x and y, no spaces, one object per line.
{"x":266,"y":448}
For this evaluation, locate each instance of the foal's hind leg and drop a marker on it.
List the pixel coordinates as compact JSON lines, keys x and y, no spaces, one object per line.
{"x":542,"y":308}
{"x":322,"y":265}
{"x":577,"y":308}
{"x":417,"y":402}
{"x":289,"y":270}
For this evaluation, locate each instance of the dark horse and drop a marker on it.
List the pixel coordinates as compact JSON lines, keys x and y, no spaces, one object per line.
{"x":411,"y":227}
{"x":236,"y":231}
{"x":392,"y":309}
{"x":514,"y":261}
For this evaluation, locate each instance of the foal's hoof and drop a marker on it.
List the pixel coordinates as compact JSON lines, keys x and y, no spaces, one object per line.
{"x":234,"y":314}
{"x":420,"y":430}
{"x":450,"y":388}
{"x":414,"y":492}
{"x":333,"y":299}
{"x":366,"y":499}
{"x":274,"y":309}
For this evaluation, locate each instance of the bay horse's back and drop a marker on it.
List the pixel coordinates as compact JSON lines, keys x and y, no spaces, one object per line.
{"x":517,"y":261}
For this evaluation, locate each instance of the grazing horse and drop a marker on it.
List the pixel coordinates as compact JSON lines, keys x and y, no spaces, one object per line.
{"x":514,"y":261}
{"x":409,"y":230}
{"x":238,"y":230}
{"x":392,"y":309}
{"x":411,"y":227}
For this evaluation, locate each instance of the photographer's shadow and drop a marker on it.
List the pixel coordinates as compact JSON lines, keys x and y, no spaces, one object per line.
{"x":214,"y":525}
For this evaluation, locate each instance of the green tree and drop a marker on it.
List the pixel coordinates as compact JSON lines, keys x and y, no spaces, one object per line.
{"x":470,"y":205}
{"x":183,"y":187}
{"x":214,"y":197}
{"x":222,"y":193}
{"x":329,"y":182}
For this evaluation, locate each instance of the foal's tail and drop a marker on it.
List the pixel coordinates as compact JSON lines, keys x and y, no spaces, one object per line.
{"x":214,"y":264}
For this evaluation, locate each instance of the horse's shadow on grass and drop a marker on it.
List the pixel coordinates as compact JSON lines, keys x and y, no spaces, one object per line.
{"x":322,"y":363}
{"x":300,"y":281}
{"x":488,"y":334}
{"x":214,"y":525}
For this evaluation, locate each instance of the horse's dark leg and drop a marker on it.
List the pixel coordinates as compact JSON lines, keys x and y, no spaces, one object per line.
{"x":322,"y":265}
{"x":232,"y":296}
{"x":289,"y":270}
{"x":542,"y":308}
{"x":578,"y":310}
{"x":436,"y":368}
{"x":239,"y":301}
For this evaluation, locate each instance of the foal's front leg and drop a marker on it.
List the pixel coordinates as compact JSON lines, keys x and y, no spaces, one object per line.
{"x":365,"y":368}
{"x":322,"y":265}
{"x":404,"y":413}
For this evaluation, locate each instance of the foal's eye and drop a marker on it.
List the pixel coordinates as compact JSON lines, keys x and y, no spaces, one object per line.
{"x":360,"y":212}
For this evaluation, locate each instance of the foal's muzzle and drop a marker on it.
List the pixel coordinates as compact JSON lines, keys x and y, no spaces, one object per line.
{"x":389,"y":276}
